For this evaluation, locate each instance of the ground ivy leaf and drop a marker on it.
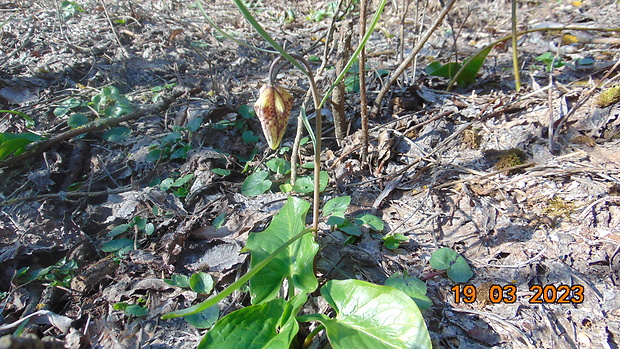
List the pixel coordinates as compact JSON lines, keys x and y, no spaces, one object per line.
{"x":266,"y":325}
{"x":443,"y":258}
{"x":336,"y":206}
{"x":412,"y":287}
{"x":460,"y":271}
{"x":178,"y":280}
{"x":294,"y":263}
{"x":256,"y":184}
{"x":136,"y":310}
{"x":116,"y":134}
{"x":201,"y":283}
{"x":375,"y":223}
{"x":118,"y":244}
{"x":371,"y":316}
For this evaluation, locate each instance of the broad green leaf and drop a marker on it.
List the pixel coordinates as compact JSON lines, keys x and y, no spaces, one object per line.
{"x":116,"y":134}
{"x":472,"y":66}
{"x":246,"y":111}
{"x":171,"y":137}
{"x":178,"y":280}
{"x":15,"y":142}
{"x":267,"y":325}
{"x":120,"y":305}
{"x":370,"y":316}
{"x":279,"y":165}
{"x":336,"y":206}
{"x":76,"y":120}
{"x":136,"y":310}
{"x":118,"y":244}
{"x":294,"y":263}
{"x":460,"y":270}
{"x":305,"y":185}
{"x":201,"y":283}
{"x":119,"y":108}
{"x":194,"y":124}
{"x":375,"y":223}
{"x":393,"y":241}
{"x":256,"y":184}
{"x":445,"y":71}
{"x":220,"y":171}
{"x":118,"y":230}
{"x":443,"y":258}
{"x":166,"y":184}
{"x":181,"y":181}
{"x":249,"y":137}
{"x":412,"y":287}
{"x":66,"y":106}
{"x":205,"y":318}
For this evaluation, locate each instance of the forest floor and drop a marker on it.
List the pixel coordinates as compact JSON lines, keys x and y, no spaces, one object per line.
{"x":95,"y":222}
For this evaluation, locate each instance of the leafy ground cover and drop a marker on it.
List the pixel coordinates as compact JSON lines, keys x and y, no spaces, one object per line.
{"x":138,"y":182}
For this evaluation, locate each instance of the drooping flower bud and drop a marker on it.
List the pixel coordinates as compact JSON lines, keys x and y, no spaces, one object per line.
{"x":273,"y":108}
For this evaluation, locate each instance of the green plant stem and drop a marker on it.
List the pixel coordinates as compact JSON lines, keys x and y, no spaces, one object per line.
{"x":456,"y":76}
{"x":311,"y":335}
{"x":225,"y":34}
{"x":248,"y":16}
{"x":235,"y":285}
{"x":515,"y":57}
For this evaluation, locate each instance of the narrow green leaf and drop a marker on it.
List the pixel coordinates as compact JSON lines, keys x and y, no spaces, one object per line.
{"x":118,"y":244}
{"x":118,"y":230}
{"x":294,"y":263}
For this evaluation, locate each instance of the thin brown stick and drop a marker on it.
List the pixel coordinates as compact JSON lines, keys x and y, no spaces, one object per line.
{"x":362,"y":78}
{"x":401,"y":68}
{"x":96,"y":125}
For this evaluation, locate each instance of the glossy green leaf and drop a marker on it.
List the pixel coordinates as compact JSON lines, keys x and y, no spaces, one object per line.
{"x":375,"y":223}
{"x":246,"y":111}
{"x":412,"y":287}
{"x":279,"y":165}
{"x":447,"y":259}
{"x":15,"y":142}
{"x":66,"y":106}
{"x":201,"y":283}
{"x":336,"y":206}
{"x":305,"y":184}
{"x":443,"y":258}
{"x":221,"y":171}
{"x":393,"y":241}
{"x":178,"y":280}
{"x":116,"y":134}
{"x":166,"y":184}
{"x":136,"y":310}
{"x":267,"y":325}
{"x":118,"y":244}
{"x":249,"y":137}
{"x":256,"y":184}
{"x":118,"y":230}
{"x":295,"y":263}
{"x":460,"y":270}
{"x":205,"y":318}
{"x":370,"y":316}
{"x":183,"y":180}
{"x":76,"y":120}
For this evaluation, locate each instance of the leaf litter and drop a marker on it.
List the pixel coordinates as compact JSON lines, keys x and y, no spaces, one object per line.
{"x":470,"y":170}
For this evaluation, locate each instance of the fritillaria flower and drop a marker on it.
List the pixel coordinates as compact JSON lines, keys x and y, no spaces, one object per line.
{"x":273,"y":108}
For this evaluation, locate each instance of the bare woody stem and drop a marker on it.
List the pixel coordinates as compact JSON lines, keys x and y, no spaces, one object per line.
{"x":273,"y":71}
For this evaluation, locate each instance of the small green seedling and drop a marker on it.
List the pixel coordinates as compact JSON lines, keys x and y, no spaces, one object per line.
{"x":412,"y":287}
{"x":179,"y":186}
{"x":550,"y":61}
{"x":15,"y":143}
{"x":69,"y":9}
{"x":455,"y":265}
{"x":132,"y":310}
{"x":200,"y":283}
{"x":59,"y":274}
{"x":393,"y":242}
{"x":335,"y":210}
{"x":463,"y":74}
